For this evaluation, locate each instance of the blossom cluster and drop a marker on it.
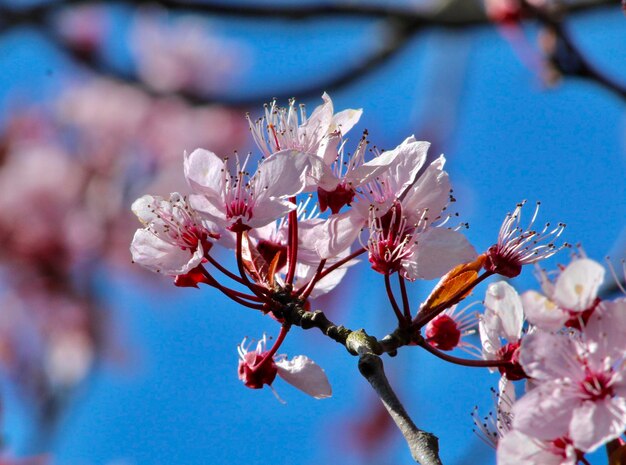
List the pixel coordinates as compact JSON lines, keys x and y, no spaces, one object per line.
{"x":299,"y":214}
{"x":568,"y":345}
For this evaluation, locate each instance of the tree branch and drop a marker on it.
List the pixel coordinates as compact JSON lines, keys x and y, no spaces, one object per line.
{"x":424,"y":446}
{"x":403,"y":25}
{"x":566,"y":56}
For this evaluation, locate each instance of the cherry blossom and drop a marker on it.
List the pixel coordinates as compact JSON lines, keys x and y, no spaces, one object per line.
{"x":271,"y":240}
{"x":580,"y":391}
{"x":517,"y":448}
{"x":182,"y":53}
{"x":448,"y":329}
{"x":428,"y":250}
{"x":175,"y":239}
{"x":290,"y":128}
{"x":238,"y":201}
{"x":260,"y":366}
{"x":570,"y":300}
{"x":517,"y":246}
{"x":503,"y":320}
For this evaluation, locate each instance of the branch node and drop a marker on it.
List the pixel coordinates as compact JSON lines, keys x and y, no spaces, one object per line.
{"x":360,"y":343}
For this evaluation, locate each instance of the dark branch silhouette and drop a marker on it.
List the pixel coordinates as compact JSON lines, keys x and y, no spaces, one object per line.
{"x":404,"y":24}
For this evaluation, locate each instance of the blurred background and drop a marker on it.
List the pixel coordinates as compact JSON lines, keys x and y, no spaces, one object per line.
{"x":103,"y":363}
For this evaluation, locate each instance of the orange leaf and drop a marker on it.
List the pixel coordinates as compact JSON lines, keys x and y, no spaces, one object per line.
{"x":452,"y":282}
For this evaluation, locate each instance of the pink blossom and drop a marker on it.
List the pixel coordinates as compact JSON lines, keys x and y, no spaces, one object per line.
{"x":181,"y":53}
{"x":447,"y":330}
{"x":517,"y":448}
{"x":346,"y":174}
{"x":272,"y":239}
{"x":581,"y":391}
{"x":290,"y":128}
{"x":426,"y":249}
{"x":257,"y":368}
{"x":517,"y":246}
{"x":503,"y":320}
{"x":570,"y":300}
{"x":175,"y":239}
{"x":239,"y":201}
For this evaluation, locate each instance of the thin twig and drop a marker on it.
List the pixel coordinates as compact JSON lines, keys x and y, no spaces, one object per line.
{"x":461,"y":361}
{"x":424,"y":446}
{"x":394,"y":303}
{"x":405,"y":298}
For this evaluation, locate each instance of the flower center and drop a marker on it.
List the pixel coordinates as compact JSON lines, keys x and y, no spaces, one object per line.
{"x":597,"y":386}
{"x":336,"y":199}
{"x":578,"y":320}
{"x":255,"y":374}
{"x":514,"y":370}
{"x":502,"y":263}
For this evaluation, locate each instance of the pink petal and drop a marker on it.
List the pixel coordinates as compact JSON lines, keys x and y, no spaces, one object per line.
{"x":517,"y":448}
{"x":545,"y":412}
{"x":546,"y":356}
{"x":268,"y":211}
{"x":594,"y":423}
{"x":606,"y":328}
{"x":334,"y":236}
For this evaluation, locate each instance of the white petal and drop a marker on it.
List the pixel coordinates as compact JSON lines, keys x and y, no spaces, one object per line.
{"x":542,"y":312}
{"x":204,"y":172}
{"x":345,"y":120}
{"x":369,"y":170}
{"x":305,"y":272}
{"x":488,"y":328}
{"x":577,"y":286}
{"x":143,"y":208}
{"x":157,"y":255}
{"x":334,"y":236}
{"x":503,"y":299}
{"x":439,"y":250}
{"x":304,"y":374}
{"x":431,"y":191}
{"x":269,"y":210}
{"x":285,"y":174}
{"x":409,"y":158}
{"x":211,"y":207}
{"x":317,"y":125}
